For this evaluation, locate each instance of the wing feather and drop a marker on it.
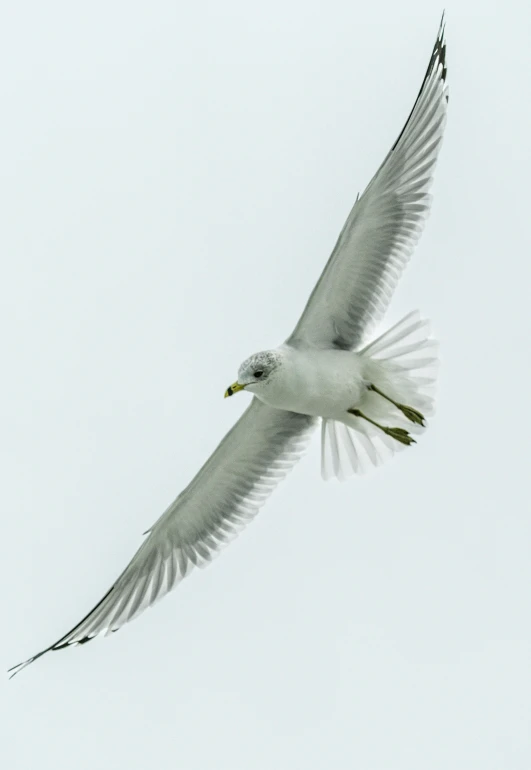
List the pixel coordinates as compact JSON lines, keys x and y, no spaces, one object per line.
{"x":226,"y":493}
{"x":383,"y":227}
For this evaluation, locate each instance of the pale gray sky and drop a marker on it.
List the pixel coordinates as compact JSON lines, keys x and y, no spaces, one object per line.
{"x":170,"y":169}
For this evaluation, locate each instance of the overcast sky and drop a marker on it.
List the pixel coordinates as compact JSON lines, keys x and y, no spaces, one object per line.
{"x":174,"y":177}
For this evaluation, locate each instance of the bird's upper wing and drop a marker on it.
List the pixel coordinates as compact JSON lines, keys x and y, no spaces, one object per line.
{"x":382,"y":228}
{"x":229,"y":489}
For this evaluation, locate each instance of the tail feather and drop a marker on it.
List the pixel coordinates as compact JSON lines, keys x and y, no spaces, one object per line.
{"x":402,"y":329}
{"x":402,"y":363}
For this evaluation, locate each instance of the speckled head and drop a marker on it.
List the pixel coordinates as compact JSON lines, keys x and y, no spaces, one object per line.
{"x":255,"y":371}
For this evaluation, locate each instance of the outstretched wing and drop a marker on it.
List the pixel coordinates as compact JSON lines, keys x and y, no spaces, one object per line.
{"x":229,"y":489}
{"x":383,"y":227}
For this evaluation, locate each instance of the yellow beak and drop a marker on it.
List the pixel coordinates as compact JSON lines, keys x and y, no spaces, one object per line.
{"x":232,"y":389}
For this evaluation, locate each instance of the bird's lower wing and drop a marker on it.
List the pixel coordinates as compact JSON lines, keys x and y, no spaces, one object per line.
{"x":383,"y":227}
{"x":226,"y":493}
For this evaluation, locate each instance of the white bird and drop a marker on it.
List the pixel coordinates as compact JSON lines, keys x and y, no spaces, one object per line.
{"x":369,"y":399}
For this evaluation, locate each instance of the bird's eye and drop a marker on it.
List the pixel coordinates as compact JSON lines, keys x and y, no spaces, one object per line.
{"x":258,"y":374}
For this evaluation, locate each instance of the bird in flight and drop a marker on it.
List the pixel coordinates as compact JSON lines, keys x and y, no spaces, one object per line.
{"x":370,"y":399}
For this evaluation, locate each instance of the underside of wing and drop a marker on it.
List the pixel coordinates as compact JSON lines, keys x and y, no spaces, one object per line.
{"x":226,"y":493}
{"x":383,"y":227}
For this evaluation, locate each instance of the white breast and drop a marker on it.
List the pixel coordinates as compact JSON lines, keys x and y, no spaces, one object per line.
{"x":321,"y":383}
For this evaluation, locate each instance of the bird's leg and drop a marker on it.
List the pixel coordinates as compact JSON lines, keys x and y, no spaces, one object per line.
{"x":412,"y":414}
{"x":399,"y":434}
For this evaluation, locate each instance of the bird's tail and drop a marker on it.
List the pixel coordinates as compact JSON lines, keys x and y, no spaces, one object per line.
{"x":401,"y":370}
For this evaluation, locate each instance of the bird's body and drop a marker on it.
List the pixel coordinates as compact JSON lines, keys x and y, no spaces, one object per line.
{"x":367,"y":398}
{"x":319,"y":383}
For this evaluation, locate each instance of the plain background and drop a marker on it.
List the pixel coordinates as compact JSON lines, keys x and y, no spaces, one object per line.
{"x":174,"y":176}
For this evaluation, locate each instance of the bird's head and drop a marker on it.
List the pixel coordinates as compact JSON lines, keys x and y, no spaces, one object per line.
{"x":256,"y":372}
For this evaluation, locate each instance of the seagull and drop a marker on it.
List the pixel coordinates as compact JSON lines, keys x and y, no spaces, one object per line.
{"x":370,"y":399}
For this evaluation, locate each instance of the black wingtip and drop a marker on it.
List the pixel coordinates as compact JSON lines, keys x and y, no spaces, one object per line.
{"x":438,"y":57}
{"x":62,"y":644}
{"x":440,"y":45}
{"x":58,"y":646}
{"x":21,"y":666}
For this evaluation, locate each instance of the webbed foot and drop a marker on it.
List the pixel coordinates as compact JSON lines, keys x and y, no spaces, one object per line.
{"x":400,"y":435}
